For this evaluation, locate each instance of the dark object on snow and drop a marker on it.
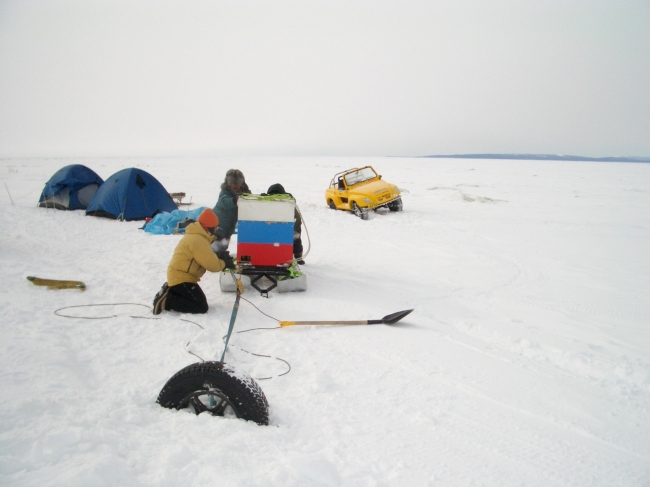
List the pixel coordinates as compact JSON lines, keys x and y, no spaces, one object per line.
{"x":182,"y":225}
{"x":70,"y":188}
{"x":395,"y":205}
{"x":218,"y":389}
{"x":227,"y":259}
{"x":160,"y":299}
{"x":131,"y":194}
{"x":391,"y":319}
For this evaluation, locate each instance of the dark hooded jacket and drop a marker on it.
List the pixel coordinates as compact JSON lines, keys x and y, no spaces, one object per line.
{"x":226,"y":211}
{"x":279,"y":189}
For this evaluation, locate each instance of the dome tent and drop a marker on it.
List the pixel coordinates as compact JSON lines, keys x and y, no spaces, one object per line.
{"x":70,"y":188}
{"x":131,"y":194}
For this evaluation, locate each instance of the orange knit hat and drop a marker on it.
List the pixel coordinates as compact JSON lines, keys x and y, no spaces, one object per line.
{"x":208,"y":219}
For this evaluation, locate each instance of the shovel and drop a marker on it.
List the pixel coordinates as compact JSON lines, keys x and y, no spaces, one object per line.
{"x":386,"y":320}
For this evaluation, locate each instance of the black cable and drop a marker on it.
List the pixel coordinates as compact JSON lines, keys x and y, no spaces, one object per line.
{"x":254,"y":329}
{"x":268,"y":356}
{"x":192,"y":353}
{"x":260,"y":355}
{"x":182,"y":319}
{"x":268,"y":316}
{"x":57,"y":313}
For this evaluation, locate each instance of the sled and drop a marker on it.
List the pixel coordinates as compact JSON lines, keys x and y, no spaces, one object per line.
{"x":178,"y":199}
{"x":57,"y":284}
{"x":265,"y":246}
{"x":265,"y":279}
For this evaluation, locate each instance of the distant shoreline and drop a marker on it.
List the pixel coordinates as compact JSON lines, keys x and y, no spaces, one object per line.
{"x":540,"y":157}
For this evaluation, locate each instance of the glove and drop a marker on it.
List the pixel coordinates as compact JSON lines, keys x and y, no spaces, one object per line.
{"x":225,"y":257}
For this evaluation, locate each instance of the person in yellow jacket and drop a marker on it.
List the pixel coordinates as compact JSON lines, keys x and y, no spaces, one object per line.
{"x":192,"y":257}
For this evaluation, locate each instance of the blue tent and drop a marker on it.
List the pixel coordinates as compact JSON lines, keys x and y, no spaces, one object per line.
{"x":131,"y":194}
{"x":70,"y":188}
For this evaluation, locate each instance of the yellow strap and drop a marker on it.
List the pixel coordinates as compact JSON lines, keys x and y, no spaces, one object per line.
{"x":57,"y":284}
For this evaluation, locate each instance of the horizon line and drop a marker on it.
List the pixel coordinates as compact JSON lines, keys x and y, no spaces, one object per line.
{"x":513,"y":156}
{"x":541,"y":157}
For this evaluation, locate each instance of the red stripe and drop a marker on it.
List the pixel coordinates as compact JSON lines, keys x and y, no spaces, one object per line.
{"x":264,"y":254}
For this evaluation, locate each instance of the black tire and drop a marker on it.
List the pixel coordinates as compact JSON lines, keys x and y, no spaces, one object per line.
{"x":332,"y":205}
{"x":395,"y":205}
{"x":360,"y":212}
{"x":218,"y":389}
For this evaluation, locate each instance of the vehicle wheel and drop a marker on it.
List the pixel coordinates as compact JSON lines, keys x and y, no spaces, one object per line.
{"x":395,"y":205}
{"x":218,"y":389}
{"x":360,"y":212}
{"x":332,"y":205}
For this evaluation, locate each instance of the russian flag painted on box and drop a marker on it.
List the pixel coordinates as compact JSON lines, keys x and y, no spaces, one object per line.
{"x":265,"y":230}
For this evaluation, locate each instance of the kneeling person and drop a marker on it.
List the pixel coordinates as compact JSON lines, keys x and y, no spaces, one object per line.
{"x":192,"y":257}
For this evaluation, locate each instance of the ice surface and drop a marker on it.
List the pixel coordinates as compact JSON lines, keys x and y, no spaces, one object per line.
{"x":525,"y":361}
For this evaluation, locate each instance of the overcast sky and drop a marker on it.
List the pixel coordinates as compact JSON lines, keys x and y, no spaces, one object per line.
{"x":375,"y":78}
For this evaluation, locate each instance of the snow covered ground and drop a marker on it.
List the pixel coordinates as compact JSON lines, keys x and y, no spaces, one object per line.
{"x":525,"y":361}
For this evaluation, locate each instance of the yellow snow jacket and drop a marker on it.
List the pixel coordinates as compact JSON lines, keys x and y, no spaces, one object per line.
{"x":193,"y":256}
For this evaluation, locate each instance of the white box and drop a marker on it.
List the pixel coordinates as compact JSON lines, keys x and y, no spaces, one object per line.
{"x":257,"y":209}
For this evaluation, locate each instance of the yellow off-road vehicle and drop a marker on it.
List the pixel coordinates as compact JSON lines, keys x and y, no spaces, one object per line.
{"x":360,"y":190}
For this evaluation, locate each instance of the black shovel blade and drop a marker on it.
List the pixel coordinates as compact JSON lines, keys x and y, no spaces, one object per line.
{"x":395,"y":317}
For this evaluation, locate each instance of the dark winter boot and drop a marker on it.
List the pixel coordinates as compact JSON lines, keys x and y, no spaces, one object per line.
{"x":159,"y":299}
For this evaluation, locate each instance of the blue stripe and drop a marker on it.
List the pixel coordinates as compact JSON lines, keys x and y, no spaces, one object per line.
{"x":265,"y":232}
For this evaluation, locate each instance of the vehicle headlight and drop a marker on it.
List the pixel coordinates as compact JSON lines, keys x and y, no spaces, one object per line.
{"x":396,"y":190}
{"x":366,"y":200}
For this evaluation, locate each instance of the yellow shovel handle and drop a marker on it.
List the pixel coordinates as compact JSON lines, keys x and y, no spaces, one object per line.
{"x":292,"y":323}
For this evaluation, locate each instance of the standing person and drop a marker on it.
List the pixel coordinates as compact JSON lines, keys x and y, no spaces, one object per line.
{"x":233,"y":186}
{"x":297,"y":225}
{"x":192,"y":257}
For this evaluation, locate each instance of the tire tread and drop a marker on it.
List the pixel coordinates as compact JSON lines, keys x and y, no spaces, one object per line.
{"x":239,"y":388}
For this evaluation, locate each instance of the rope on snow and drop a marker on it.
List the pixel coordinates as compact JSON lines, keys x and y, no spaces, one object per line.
{"x":57,"y":312}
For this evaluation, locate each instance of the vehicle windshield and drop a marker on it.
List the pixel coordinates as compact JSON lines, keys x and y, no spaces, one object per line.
{"x":360,"y":176}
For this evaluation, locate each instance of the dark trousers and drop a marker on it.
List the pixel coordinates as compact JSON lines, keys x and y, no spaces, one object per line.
{"x":297,"y":247}
{"x":186,"y":297}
